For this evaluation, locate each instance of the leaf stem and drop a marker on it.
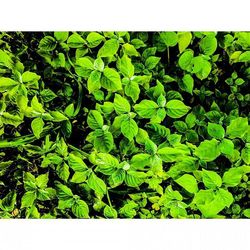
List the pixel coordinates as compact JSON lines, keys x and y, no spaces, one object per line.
{"x":109,"y":201}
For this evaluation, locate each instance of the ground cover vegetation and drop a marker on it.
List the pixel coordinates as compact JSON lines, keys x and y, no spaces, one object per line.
{"x":124,"y":125}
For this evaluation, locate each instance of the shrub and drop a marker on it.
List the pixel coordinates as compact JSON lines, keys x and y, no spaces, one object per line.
{"x":124,"y":125}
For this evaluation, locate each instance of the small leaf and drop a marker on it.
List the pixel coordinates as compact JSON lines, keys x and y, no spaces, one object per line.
{"x":188,"y":182}
{"x":176,"y":109}
{"x":215,"y":130}
{"x":129,"y":128}
{"x":121,"y":105}
{"x":237,"y":127}
{"x":111,"y":80}
{"x":97,"y":184}
{"x":211,"y":179}
{"x":37,"y":126}
{"x":109,"y":48}
{"x":95,"y":119}
{"x":80,"y":209}
{"x":48,"y":43}
{"x":28,"y":199}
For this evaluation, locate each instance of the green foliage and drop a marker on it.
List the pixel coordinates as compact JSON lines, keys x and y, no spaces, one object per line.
{"x":124,"y":125}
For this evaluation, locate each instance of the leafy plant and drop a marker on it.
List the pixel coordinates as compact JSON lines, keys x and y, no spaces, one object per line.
{"x":124,"y":125}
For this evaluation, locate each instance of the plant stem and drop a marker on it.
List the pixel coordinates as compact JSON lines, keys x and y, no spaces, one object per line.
{"x":109,"y":201}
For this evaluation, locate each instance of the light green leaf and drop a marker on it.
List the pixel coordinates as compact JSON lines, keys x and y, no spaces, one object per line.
{"x":48,"y":43}
{"x":7,"y":84}
{"x":63,"y":192}
{"x":111,"y":80}
{"x":80,"y":209}
{"x":109,"y":48}
{"x":232,"y":177}
{"x":75,"y":41}
{"x":152,"y":61}
{"x":37,"y":126}
{"x":10,"y":119}
{"x":245,"y":154}
{"x":176,"y":108}
{"x":110,"y":212}
{"x":94,"y":119}
{"x":227,"y":147}
{"x":168,"y":154}
{"x":61,"y":36}
{"x":245,"y":57}
{"x":132,"y":90}
{"x":97,"y":184}
{"x":106,"y":163}
{"x":208,"y":150}
{"x":76,"y":163}
{"x":185,"y":60}
{"x":42,"y":180}
{"x":125,"y":66}
{"x":211,"y":179}
{"x":129,"y":128}
{"x":146,"y":108}
{"x":208,"y":45}
{"x":169,"y":38}
{"x":121,"y":105}
{"x":188,"y":83}
{"x":104,"y":142}
{"x":215,"y":130}
{"x":79,"y":177}
{"x":237,"y":127}
{"x":188,"y":182}
{"x":94,"y":39}
{"x":62,"y":171}
{"x":184,"y":39}
{"x":28,"y":199}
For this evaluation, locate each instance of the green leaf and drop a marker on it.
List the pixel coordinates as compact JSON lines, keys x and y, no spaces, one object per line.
{"x":9,"y":201}
{"x":94,"y":39}
{"x":215,"y":130}
{"x":184,"y":39}
{"x":110,"y":212}
{"x":246,"y":212}
{"x":61,"y":36}
{"x":10,"y":119}
{"x":76,"y":163}
{"x":97,"y":184}
{"x":121,"y":105}
{"x":7,"y":84}
{"x":42,"y":180}
{"x":208,"y":45}
{"x":5,"y":60}
{"x":185,"y":60}
{"x":75,"y":41}
{"x":232,"y":177}
{"x":80,"y":209}
{"x":130,"y":50}
{"x":168,"y":154}
{"x":37,"y":126}
{"x":109,"y":48}
{"x":188,"y":182}
{"x":48,"y":43}
{"x":146,"y":108}
{"x":188,"y":83}
{"x":63,"y":192}
{"x":169,"y":38}
{"x":237,"y":127}
{"x":79,"y":177}
{"x":107,"y":163}
{"x":62,"y":171}
{"x":129,"y":128}
{"x":244,"y":57}
{"x":132,"y":89}
{"x":227,"y":147}
{"x":211,"y":179}
{"x":125,"y":66}
{"x":245,"y":155}
{"x":95,"y":119}
{"x":111,"y":80}
{"x":104,"y":142}
{"x":208,"y":150}
{"x":28,"y":199}
{"x":176,"y":109}
{"x":152,"y":61}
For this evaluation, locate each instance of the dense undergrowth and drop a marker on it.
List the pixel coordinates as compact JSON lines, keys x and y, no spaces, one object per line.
{"x":124,"y":125}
